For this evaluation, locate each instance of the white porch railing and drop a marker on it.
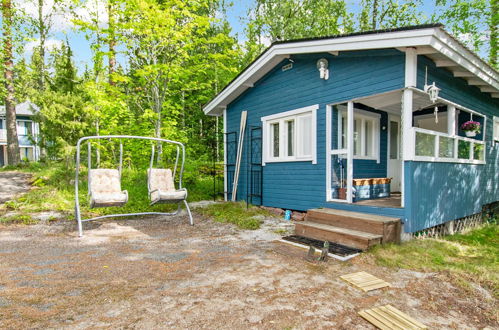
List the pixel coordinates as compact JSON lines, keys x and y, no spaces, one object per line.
{"x":3,"y":135}
{"x":432,"y":146}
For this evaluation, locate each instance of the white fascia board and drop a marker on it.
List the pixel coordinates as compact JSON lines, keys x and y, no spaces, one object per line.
{"x":434,"y":37}
{"x":279,"y":52}
{"x":348,"y":45}
{"x":453,"y":50}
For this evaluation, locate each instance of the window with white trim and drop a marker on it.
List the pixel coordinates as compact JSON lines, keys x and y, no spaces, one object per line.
{"x":290,"y":135}
{"x":496,"y":129}
{"x":365,"y":133}
{"x":24,"y":127}
{"x":457,"y":145}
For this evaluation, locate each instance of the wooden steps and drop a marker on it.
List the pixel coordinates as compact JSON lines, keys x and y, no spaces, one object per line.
{"x":354,"y":238}
{"x":359,"y":230}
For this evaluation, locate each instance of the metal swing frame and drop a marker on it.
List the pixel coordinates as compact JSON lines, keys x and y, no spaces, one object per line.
{"x":180,"y":152}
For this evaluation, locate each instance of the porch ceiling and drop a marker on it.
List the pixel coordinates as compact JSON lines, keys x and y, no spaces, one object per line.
{"x":391,"y":102}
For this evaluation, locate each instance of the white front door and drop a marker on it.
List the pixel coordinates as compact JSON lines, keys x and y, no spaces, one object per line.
{"x":394,"y":159}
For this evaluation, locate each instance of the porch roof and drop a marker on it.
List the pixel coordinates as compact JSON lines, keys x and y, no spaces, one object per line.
{"x":391,"y":101}
{"x":429,"y":40}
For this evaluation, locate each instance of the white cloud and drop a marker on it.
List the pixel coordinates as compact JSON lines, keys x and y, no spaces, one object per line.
{"x":92,"y":11}
{"x":60,"y":14}
{"x":265,"y":40}
{"x":49,"y":45}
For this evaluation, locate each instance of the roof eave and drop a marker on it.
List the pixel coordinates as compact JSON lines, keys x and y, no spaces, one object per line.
{"x":433,"y":37}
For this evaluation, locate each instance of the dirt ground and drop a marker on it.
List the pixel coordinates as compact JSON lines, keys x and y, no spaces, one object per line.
{"x":13,"y":184}
{"x":163,"y":273}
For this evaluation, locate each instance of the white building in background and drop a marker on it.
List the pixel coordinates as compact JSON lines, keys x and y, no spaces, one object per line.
{"x":28,"y":131}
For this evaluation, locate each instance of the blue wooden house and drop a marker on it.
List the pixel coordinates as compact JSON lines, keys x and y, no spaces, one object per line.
{"x":27,"y":131}
{"x":375,"y":123}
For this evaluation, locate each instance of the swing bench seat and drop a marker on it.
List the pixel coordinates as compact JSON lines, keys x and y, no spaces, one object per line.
{"x":105,"y":188}
{"x":162,"y":188}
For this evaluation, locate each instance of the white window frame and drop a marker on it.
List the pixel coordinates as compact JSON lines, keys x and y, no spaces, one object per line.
{"x":452,"y":133}
{"x":495,"y":129}
{"x":455,"y":159}
{"x":30,"y":122}
{"x":282,"y":118}
{"x":26,"y":150}
{"x":363,"y":116}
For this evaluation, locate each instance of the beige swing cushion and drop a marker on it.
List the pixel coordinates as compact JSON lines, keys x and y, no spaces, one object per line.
{"x":105,"y":188}
{"x":161,"y":186}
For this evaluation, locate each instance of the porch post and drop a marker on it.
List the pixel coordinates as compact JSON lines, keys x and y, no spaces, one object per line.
{"x":349,"y":152}
{"x":407,"y":143}
{"x":225,"y":153}
{"x":451,"y":120}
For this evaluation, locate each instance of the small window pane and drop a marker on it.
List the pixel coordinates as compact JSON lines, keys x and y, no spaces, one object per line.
{"x":463,"y":149}
{"x":394,"y":133}
{"x":304,"y":134}
{"x":20,"y":128}
{"x":496,"y":129}
{"x":275,"y":139}
{"x":356,"y":137}
{"x":290,"y":137}
{"x":343,"y":143}
{"x":425,"y":144}
{"x":478,"y":152}
{"x":29,"y":130}
{"x":368,"y":138}
{"x":446,"y":147}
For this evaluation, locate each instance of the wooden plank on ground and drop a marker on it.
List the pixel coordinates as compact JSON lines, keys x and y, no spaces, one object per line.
{"x":365,"y":281}
{"x":389,"y":318}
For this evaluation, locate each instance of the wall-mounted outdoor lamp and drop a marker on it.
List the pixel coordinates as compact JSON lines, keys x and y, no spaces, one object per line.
{"x":322,"y":66}
{"x":432,"y":90}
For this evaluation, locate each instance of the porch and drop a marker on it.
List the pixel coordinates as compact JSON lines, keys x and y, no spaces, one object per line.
{"x":368,"y":140}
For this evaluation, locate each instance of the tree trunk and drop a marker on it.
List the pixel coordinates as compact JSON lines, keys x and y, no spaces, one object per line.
{"x":375,"y":13}
{"x":493,"y":24}
{"x":157,"y":126}
{"x":43,"y":36}
{"x":10,"y":105}
{"x":112,"y":43}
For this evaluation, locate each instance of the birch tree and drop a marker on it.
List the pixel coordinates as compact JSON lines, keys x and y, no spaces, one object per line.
{"x":158,"y":39}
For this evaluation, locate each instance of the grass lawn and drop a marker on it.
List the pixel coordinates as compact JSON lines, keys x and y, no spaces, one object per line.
{"x":236,"y":213}
{"x":54,"y":191}
{"x":469,"y":257}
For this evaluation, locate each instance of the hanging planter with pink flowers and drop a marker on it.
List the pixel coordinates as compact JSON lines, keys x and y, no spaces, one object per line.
{"x":471,"y":128}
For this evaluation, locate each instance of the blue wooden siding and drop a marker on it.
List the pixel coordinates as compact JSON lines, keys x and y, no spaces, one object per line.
{"x":440,"y":192}
{"x":301,"y":185}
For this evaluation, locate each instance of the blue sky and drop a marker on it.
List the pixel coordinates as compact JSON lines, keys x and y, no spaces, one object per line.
{"x":81,"y":46}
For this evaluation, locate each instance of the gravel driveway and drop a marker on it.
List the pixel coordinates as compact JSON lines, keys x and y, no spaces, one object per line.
{"x":13,"y":184}
{"x":163,"y":273}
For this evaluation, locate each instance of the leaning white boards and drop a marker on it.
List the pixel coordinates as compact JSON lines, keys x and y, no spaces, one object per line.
{"x":239,"y":154}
